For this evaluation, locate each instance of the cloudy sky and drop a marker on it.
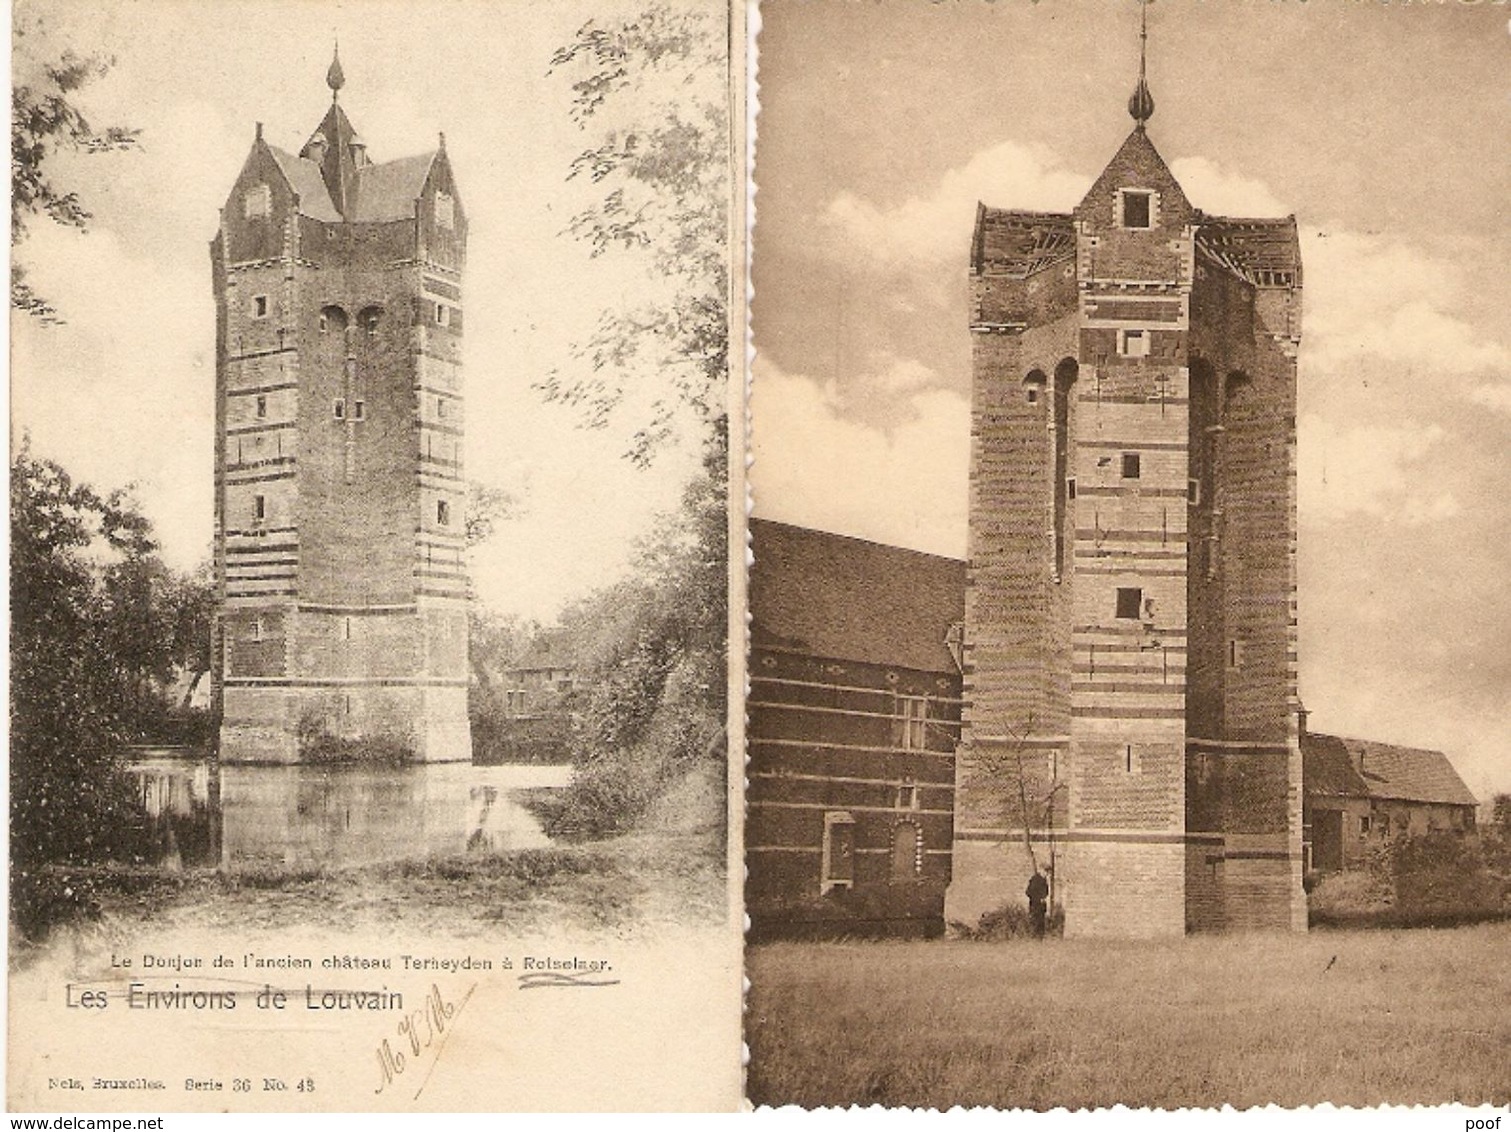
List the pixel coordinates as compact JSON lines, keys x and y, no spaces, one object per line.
{"x":123,"y":393}
{"x":1383,"y":127}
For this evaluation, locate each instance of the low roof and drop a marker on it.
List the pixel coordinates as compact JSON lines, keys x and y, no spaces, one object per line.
{"x":1016,"y":243}
{"x":1356,"y":768}
{"x":834,"y":596}
{"x":388,"y":191}
{"x":304,"y":178}
{"x":384,"y":192}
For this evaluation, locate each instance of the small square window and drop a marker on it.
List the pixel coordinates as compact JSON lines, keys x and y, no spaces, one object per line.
{"x":1032,"y":393}
{"x":443,"y":512}
{"x":1133,"y":343}
{"x":1131,"y":465}
{"x":262,"y":408}
{"x":1130,"y":599}
{"x":338,"y":409}
{"x":907,"y":795}
{"x":359,"y":411}
{"x":1137,"y":209}
{"x":259,"y":306}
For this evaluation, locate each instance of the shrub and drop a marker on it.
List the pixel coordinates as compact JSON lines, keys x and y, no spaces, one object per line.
{"x":319,"y":746}
{"x":1011,"y":921}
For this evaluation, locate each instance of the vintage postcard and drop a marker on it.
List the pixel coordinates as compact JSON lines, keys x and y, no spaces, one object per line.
{"x":1128,"y":714}
{"x":370,"y":584}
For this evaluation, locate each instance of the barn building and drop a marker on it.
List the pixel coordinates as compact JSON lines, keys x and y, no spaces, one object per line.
{"x":338,"y":441}
{"x":1130,"y":619}
{"x":1360,"y":795}
{"x":854,"y":710}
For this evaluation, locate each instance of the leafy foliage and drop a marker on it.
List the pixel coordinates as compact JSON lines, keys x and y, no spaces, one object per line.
{"x":46,"y":119}
{"x":652,"y":695}
{"x":653,"y":86}
{"x":98,"y":625}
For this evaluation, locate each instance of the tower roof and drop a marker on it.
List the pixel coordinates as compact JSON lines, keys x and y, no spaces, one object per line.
{"x":1141,"y":104}
{"x":335,"y":181}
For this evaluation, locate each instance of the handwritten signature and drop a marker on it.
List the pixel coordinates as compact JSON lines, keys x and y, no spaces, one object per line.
{"x":419,"y":1030}
{"x":561,"y":979}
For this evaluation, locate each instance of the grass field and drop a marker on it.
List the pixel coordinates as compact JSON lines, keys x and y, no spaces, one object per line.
{"x":1354,"y":1018}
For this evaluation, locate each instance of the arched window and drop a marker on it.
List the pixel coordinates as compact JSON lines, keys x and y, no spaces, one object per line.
{"x":332,"y":319}
{"x":907,"y":855}
{"x":1065,"y":379}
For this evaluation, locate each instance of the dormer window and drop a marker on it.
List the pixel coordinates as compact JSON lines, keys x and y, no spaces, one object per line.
{"x":445,"y":210}
{"x":257,"y":201}
{"x":1136,"y":208}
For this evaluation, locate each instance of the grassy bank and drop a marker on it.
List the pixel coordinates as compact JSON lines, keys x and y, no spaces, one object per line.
{"x":620,"y":885}
{"x":1356,"y":1018}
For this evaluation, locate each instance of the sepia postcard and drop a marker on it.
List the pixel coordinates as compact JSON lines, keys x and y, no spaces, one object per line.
{"x":1128,"y":678}
{"x":370,"y":656}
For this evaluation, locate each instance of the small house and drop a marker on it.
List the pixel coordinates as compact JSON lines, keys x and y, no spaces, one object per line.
{"x":1359,"y":794}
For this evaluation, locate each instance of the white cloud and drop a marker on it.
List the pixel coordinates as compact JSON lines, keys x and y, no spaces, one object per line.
{"x":1371,"y":298}
{"x":1215,"y":190}
{"x":1495,"y":396}
{"x":935,"y":227}
{"x":816,"y":467}
{"x":1369,"y":470}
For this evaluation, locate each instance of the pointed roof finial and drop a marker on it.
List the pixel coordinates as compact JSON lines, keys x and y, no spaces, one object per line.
{"x":1141,"y":105}
{"x":333,"y":77}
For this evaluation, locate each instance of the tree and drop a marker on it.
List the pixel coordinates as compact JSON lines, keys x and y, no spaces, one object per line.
{"x":655,"y":87}
{"x":98,"y":624}
{"x":45,"y":120}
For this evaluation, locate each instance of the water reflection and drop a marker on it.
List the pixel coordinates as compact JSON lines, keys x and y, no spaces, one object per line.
{"x":204,"y":814}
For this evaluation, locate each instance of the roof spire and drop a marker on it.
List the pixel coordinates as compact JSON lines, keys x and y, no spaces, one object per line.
{"x":1141,"y":105}
{"x":333,"y":77}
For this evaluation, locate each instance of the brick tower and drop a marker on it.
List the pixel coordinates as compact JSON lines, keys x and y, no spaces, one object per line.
{"x":338,"y":434}
{"x":1130,"y":642}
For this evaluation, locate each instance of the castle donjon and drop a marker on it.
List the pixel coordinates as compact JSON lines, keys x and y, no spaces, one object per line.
{"x":1130,"y":611}
{"x":339,"y":527}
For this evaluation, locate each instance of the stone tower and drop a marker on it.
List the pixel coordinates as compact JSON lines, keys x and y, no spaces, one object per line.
{"x":339,"y":527}
{"x":1130,"y":640}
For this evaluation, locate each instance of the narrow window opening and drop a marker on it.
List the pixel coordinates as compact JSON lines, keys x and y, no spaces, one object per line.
{"x":1137,"y":209}
{"x":1129,"y":602}
{"x":259,"y":306}
{"x":1131,"y":466}
{"x":443,"y":512}
{"x":1070,"y":487}
{"x":912,"y":717}
{"x":1235,"y":653}
{"x":346,"y":629}
{"x":838,"y":865}
{"x":907,"y":795}
{"x":1193,"y":492}
{"x":440,"y":409}
{"x":262,"y":408}
{"x":257,"y":628}
{"x":338,"y":409}
{"x":1032,"y":393}
{"x":359,"y":411}
{"x":445,"y":210}
{"x":442,"y":314}
{"x":1128,"y":758}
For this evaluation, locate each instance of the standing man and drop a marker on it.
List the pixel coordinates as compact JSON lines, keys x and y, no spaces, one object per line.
{"x":1037,"y":893}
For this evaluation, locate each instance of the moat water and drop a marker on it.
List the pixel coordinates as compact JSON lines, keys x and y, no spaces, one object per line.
{"x":206,"y":814}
